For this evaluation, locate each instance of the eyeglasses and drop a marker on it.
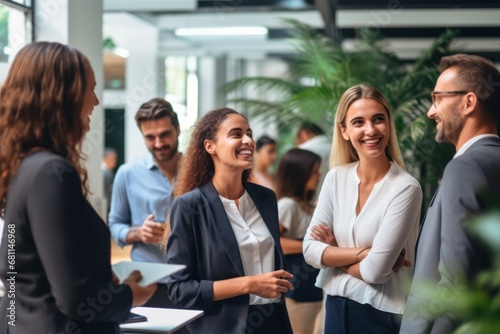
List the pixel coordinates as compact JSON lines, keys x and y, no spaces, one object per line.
{"x":446,"y":92}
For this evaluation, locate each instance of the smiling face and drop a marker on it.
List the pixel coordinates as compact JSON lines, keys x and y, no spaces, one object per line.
{"x":366,"y":126}
{"x":233,"y":147}
{"x":90,"y":100}
{"x":446,"y":108}
{"x":161,"y":138}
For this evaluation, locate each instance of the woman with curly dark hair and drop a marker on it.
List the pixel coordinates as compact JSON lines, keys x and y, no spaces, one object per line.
{"x":225,"y":230}
{"x":56,"y":248}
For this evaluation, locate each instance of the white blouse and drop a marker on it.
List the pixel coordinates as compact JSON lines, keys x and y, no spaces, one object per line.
{"x":293,"y":218}
{"x":387,"y":222}
{"x":254,"y":240}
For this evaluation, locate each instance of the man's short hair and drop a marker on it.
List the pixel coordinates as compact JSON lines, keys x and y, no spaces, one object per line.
{"x":311,"y":127}
{"x":478,"y":75}
{"x":155,"y":109}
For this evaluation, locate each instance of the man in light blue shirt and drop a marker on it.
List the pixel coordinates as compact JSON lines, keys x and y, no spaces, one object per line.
{"x":142,"y":189}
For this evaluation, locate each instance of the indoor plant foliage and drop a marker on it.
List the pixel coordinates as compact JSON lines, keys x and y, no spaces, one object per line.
{"x":322,"y":70}
{"x":479,"y":306}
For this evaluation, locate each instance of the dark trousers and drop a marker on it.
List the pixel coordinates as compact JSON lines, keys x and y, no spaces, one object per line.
{"x":266,"y":319}
{"x":345,"y":316}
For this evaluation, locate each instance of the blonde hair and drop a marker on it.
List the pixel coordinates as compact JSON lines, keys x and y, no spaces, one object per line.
{"x":342,"y":150}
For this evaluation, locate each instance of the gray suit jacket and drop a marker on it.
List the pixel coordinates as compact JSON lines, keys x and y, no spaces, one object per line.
{"x":445,"y":252}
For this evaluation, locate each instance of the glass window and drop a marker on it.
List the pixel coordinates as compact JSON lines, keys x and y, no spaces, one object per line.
{"x":23,"y":2}
{"x":15,"y":30}
{"x":181,"y":90}
{"x":114,"y":71}
{"x":176,"y":78}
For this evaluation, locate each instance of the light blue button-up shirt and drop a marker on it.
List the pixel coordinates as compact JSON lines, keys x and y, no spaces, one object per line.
{"x":140,"y":188}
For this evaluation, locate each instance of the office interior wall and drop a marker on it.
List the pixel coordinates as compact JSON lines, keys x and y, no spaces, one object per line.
{"x":142,"y":77}
{"x":79,"y":23}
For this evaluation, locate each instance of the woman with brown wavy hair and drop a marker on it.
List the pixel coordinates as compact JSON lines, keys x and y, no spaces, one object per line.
{"x":225,"y":230}
{"x":55,"y":256}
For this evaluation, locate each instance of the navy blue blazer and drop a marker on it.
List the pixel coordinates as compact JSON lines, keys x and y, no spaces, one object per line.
{"x":202,"y":239}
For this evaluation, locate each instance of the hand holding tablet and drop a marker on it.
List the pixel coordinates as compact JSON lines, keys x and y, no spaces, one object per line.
{"x":151,"y":272}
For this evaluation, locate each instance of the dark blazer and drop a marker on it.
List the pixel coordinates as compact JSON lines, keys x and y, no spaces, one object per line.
{"x":61,"y":279}
{"x":445,"y":251}
{"x":202,"y":239}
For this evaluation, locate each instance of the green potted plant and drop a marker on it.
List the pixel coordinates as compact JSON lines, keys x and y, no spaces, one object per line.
{"x":321,"y":71}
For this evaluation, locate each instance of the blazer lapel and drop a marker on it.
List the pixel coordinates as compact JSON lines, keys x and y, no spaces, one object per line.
{"x":223,"y":225}
{"x":423,"y":222}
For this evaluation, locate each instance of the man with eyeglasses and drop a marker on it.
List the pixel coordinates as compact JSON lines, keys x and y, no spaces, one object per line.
{"x":465,"y":106}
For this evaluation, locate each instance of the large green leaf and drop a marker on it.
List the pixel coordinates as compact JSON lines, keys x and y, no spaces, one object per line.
{"x":321,"y":71}
{"x":278,"y":86}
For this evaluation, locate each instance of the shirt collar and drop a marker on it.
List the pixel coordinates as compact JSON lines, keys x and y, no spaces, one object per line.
{"x":318,"y":139}
{"x":150,"y":163}
{"x":470,"y":142}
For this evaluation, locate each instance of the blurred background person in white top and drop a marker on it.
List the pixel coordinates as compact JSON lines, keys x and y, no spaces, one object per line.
{"x":366,"y":220}
{"x":296,"y":183}
{"x":311,"y":137}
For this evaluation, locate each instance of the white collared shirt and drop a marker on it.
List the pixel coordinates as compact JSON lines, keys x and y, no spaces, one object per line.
{"x":255,"y":242}
{"x":470,"y":142}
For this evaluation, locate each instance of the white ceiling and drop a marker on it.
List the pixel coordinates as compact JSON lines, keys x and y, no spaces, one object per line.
{"x":150,"y":5}
{"x":167,"y":15}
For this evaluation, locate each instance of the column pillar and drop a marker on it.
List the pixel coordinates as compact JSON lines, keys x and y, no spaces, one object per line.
{"x":79,"y":24}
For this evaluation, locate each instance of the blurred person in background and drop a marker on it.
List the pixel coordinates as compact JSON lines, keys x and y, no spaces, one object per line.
{"x":142,"y":190}
{"x":311,"y":137}
{"x":108,"y":165}
{"x":297,"y":180}
{"x":265,"y":156}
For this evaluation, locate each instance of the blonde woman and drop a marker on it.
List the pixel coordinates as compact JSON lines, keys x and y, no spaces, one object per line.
{"x":366,"y":219}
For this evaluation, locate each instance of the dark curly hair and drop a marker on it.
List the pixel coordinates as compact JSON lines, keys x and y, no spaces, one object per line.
{"x":196,"y":166}
{"x":40,"y":107}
